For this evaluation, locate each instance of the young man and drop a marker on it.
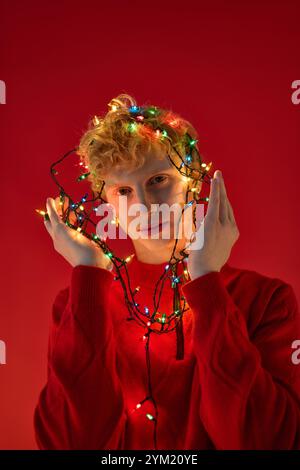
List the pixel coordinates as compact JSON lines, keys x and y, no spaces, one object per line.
{"x":236,"y":386}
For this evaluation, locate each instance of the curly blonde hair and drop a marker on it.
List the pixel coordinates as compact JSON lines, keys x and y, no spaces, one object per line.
{"x":109,"y":142}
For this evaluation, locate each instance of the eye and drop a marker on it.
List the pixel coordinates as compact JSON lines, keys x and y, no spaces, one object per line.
{"x":123,"y":191}
{"x":158,"y":179}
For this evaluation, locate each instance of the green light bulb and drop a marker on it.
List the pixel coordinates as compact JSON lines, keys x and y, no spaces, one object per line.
{"x":83,"y":176}
{"x":132,"y":126}
{"x":149,"y":416}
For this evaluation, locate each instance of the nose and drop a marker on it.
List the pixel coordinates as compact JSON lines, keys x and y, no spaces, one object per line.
{"x":142,"y":197}
{"x":146,"y":198}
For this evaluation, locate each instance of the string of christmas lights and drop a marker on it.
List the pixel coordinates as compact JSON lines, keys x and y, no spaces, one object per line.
{"x":151,"y":321}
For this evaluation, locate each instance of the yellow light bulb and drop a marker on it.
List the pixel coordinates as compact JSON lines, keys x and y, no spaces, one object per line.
{"x":40,"y":212}
{"x":129,"y":258}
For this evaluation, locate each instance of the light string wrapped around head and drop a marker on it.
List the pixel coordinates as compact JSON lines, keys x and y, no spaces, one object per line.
{"x":165,"y":128}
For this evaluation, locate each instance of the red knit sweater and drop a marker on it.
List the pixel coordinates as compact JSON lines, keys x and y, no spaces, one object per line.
{"x":235,"y":388}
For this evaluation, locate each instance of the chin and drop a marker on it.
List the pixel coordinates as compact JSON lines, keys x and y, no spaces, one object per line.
{"x":167,"y":244}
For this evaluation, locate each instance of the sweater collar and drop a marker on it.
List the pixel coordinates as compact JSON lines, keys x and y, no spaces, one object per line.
{"x":147,"y":274}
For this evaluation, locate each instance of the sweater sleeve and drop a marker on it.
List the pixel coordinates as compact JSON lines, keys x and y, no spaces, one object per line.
{"x":81,"y":405}
{"x":250,"y":389}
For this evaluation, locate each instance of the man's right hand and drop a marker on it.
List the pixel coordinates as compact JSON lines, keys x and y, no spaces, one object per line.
{"x":72,"y":245}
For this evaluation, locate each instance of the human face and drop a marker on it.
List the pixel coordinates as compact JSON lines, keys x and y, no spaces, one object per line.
{"x":156,"y":182}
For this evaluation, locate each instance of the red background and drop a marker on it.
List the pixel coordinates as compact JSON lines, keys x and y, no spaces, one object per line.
{"x":225,"y":66}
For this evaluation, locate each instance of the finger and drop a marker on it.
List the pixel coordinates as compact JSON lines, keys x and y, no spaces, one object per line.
{"x":229,"y":206}
{"x":223,"y":198}
{"x":72,"y":215}
{"x":52,"y":212}
{"x":58,"y":205}
{"x":61,"y":203}
{"x":72,"y":218}
{"x":230,"y":212}
{"x":48,"y":226}
{"x":214,"y":199}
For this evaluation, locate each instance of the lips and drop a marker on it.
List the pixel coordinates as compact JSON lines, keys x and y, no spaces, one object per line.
{"x":154,"y":228}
